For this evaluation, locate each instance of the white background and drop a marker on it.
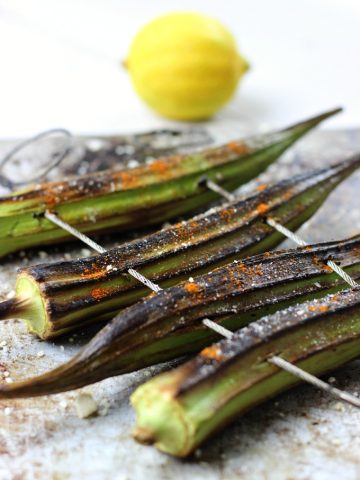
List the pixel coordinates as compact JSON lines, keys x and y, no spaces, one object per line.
{"x":60,"y":62}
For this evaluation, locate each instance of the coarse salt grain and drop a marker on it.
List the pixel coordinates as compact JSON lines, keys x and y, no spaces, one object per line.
{"x":85,"y":405}
{"x":339,"y":407}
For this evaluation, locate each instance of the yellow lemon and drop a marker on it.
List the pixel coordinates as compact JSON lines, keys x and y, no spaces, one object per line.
{"x":185,"y":65}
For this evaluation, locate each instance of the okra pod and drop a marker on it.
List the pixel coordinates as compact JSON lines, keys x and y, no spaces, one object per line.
{"x":179,"y":409}
{"x":132,"y":198}
{"x":168,"y":324}
{"x":60,"y":297}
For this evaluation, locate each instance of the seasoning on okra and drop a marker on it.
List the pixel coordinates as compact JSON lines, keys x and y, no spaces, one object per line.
{"x":169,"y":324}
{"x":60,"y":297}
{"x":131,"y":198}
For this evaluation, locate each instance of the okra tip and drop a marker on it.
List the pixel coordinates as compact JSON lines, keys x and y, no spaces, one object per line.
{"x":313,"y":121}
{"x":64,"y":377}
{"x":330,"y":113}
{"x":12,"y":307}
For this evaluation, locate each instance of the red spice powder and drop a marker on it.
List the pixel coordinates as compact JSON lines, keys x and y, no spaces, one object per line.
{"x":316,"y":308}
{"x":92,"y":274}
{"x":51,"y":198}
{"x":213,"y":352}
{"x":320,"y":264}
{"x":159,"y":166}
{"x":234,"y":279}
{"x":192,"y":287}
{"x":227,"y":214}
{"x":129,"y":180}
{"x":98,"y":293}
{"x":193,"y":224}
{"x":242,"y":267}
{"x":262,"y":208}
{"x":258,"y":270}
{"x":237,"y":147}
{"x":288,"y":194}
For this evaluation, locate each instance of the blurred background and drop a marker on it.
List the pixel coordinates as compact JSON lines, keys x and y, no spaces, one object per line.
{"x":61,"y":62}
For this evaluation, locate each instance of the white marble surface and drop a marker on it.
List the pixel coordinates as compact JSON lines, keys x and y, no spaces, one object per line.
{"x":60,"y":62}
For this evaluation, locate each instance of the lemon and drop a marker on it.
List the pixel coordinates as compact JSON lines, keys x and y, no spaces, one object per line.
{"x":185,"y":65}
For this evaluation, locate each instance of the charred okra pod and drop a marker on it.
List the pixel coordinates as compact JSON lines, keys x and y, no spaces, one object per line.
{"x":168,"y":324}
{"x":118,"y":200}
{"x":179,"y":409}
{"x":60,"y":297}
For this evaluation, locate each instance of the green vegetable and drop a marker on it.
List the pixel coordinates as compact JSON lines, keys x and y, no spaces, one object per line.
{"x":61,"y":297}
{"x":181,"y":408}
{"x":131,"y":198}
{"x":168,"y":324}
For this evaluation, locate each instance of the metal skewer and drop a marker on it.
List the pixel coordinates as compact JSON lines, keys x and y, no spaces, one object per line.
{"x":98,"y":248}
{"x":230,"y":197}
{"x":317,"y":382}
{"x":74,"y":231}
{"x":295,"y":238}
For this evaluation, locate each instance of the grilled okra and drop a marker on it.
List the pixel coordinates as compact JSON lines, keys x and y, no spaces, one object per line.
{"x":179,"y":409}
{"x":168,"y":324}
{"x":63,"y":296}
{"x":120,"y":200}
